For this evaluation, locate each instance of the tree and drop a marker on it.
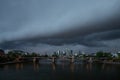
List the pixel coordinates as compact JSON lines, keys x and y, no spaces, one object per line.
{"x":54,"y":54}
{"x":118,"y":55}
{"x":101,"y":54}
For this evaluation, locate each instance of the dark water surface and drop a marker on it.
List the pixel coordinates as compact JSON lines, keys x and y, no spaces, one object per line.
{"x":59,"y":71}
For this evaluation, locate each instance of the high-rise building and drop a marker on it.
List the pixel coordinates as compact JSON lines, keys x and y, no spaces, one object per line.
{"x":2,"y":53}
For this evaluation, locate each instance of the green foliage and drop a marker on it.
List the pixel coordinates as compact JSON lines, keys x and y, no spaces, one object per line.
{"x":118,"y":55}
{"x":33,"y":54}
{"x":45,"y":55}
{"x":103,"y":54}
{"x":54,"y":54}
{"x":3,"y":59}
{"x":12,"y":55}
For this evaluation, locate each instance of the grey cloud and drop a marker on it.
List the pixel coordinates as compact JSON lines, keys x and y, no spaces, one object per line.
{"x":91,"y":40}
{"x":58,"y":22}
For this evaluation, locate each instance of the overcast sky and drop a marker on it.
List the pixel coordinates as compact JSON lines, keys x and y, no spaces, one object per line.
{"x":50,"y":25}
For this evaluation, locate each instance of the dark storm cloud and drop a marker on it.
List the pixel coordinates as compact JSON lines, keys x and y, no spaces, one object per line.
{"x":90,"y":40}
{"x":58,"y":22}
{"x":87,"y":36}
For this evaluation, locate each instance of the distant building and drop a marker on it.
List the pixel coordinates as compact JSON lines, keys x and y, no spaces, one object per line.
{"x":83,"y":52}
{"x":118,"y":51}
{"x":115,"y":55}
{"x":17,"y":51}
{"x":2,"y":53}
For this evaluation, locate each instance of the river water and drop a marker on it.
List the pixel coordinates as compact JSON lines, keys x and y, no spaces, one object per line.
{"x":59,"y":71}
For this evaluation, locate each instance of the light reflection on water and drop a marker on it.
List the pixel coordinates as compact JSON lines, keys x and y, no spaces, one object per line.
{"x":59,"y":71}
{"x":19,"y":66}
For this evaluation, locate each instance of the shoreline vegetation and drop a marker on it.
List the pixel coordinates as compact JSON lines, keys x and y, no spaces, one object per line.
{"x":10,"y":63}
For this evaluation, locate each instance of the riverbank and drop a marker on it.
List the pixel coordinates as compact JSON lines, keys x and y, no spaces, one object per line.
{"x":111,"y":62}
{"x":13,"y":62}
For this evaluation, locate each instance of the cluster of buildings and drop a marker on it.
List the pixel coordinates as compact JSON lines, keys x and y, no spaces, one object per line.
{"x":14,"y":54}
{"x":59,"y":53}
{"x":2,"y":53}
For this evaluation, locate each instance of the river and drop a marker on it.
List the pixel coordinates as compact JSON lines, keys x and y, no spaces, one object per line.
{"x":59,"y":71}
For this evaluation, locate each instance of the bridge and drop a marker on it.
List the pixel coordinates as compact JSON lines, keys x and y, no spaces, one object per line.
{"x":70,"y":59}
{"x":51,"y":59}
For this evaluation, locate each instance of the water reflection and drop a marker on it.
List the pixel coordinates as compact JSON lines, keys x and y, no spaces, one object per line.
{"x":63,"y":65}
{"x":19,"y":66}
{"x":103,"y":66}
{"x":6,"y":67}
{"x":54,"y":66}
{"x":61,"y":71}
{"x":89,"y":66}
{"x":36,"y":66}
{"x":72,"y":67}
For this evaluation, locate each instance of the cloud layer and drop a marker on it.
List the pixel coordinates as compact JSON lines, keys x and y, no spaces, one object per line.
{"x":37,"y":23}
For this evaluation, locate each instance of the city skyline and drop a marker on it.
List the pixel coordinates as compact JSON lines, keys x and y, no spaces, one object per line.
{"x":51,"y":25}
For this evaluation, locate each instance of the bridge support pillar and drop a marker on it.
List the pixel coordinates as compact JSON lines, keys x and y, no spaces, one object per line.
{"x":53,"y":59}
{"x":34,"y":60}
{"x":72,"y":59}
{"x":90,"y":60}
